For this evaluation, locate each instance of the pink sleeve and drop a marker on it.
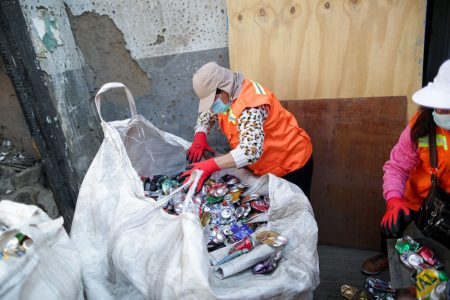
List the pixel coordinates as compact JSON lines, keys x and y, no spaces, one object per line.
{"x":404,"y":157}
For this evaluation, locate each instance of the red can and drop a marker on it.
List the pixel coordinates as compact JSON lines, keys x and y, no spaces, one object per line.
{"x":246,"y":243}
{"x":260,"y":205}
{"x":427,"y":255}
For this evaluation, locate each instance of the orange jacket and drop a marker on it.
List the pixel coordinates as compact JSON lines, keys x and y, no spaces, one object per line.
{"x":419,"y":182}
{"x":286,"y":146}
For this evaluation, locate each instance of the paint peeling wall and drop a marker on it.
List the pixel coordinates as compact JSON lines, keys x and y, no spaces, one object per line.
{"x":153,"y":47}
{"x":63,"y":73}
{"x":158,"y":28}
{"x":164,"y":40}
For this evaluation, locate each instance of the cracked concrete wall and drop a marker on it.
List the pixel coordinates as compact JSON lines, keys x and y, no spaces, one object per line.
{"x":153,"y":47}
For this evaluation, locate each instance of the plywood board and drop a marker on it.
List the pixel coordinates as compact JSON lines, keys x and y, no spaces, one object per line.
{"x":316,"y":49}
{"x":352,"y":139}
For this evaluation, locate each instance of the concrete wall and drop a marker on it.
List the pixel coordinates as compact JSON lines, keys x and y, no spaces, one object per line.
{"x":117,"y":45}
{"x":153,"y":47}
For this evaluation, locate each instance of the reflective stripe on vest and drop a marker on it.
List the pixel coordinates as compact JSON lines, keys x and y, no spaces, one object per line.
{"x":286,"y":147}
{"x":441,"y":141}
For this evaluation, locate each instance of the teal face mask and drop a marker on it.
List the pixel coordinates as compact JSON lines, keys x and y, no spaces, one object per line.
{"x":442,"y":121}
{"x":219,"y":107}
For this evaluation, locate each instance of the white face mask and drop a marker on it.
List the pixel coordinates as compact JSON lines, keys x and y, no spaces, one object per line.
{"x":442,"y":120}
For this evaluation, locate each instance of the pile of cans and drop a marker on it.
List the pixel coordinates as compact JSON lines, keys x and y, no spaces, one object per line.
{"x":380,"y":289}
{"x":13,"y":244}
{"x":431,"y":282}
{"x":223,"y":209}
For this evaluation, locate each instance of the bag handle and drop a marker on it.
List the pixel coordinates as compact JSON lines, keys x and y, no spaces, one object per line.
{"x":428,"y":201}
{"x":114,"y":85}
{"x":433,"y":153}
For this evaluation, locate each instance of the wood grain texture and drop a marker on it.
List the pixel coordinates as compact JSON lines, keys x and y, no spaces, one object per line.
{"x":317,"y":49}
{"x":352,"y":139}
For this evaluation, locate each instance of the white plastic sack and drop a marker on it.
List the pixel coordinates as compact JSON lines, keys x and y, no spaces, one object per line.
{"x":50,"y":268}
{"x":131,"y":249}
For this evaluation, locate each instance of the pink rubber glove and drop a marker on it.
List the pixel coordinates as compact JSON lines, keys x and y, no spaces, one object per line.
{"x":395,"y":218}
{"x":199,"y":145}
{"x":207,"y":166}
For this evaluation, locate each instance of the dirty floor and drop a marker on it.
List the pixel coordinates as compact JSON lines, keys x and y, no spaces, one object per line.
{"x":339,"y":266}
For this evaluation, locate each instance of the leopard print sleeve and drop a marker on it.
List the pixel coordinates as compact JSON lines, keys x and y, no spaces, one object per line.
{"x":251,"y":132}
{"x":205,"y":121}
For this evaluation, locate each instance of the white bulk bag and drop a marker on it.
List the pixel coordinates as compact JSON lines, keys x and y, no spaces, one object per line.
{"x":50,"y":268}
{"x":131,"y":249}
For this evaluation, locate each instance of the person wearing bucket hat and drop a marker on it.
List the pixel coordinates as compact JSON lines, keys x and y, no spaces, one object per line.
{"x":406,"y":179}
{"x":264,"y":137}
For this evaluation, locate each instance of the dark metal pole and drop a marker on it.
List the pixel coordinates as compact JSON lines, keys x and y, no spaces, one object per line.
{"x":18,"y":53}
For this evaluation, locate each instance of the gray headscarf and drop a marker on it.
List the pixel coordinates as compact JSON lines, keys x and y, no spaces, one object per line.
{"x":231,"y":83}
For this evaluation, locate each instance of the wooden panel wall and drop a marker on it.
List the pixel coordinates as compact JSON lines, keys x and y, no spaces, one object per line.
{"x":315,"y":49}
{"x":352,"y":139}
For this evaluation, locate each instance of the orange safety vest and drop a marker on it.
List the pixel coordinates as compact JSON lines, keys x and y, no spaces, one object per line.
{"x":286,"y":148}
{"x":419,"y":182}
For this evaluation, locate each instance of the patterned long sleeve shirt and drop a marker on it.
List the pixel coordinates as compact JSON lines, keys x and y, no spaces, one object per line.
{"x":250,"y":126}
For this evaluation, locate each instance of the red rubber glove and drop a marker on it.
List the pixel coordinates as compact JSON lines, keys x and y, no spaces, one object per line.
{"x":199,"y":145}
{"x":207,"y":166}
{"x":395,"y":218}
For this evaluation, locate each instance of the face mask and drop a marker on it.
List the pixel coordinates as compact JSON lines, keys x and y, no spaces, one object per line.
{"x":219,"y":107}
{"x":442,"y":121}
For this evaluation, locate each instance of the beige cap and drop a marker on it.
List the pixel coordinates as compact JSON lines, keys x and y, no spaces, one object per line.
{"x":205,"y":82}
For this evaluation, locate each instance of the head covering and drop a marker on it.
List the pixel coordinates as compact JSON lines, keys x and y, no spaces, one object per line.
{"x":211,"y":77}
{"x":437,"y":93}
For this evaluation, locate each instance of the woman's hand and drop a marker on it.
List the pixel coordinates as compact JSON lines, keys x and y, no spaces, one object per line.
{"x":395,"y":218}
{"x":199,"y":145}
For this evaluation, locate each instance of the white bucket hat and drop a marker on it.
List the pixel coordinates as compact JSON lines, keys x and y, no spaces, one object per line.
{"x":437,"y":93}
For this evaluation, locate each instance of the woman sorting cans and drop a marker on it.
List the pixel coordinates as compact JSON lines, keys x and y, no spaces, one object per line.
{"x":263,"y":136}
{"x":407,"y":180}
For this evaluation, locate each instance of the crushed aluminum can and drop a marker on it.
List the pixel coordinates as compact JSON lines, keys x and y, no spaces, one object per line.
{"x":428,"y":256}
{"x":246,"y":243}
{"x":235,"y":193}
{"x":413,"y":245}
{"x":259,"y":205}
{"x":218,"y":237}
{"x":168,"y":186}
{"x":267,"y":266}
{"x":210,"y":182}
{"x":380,"y":285}
{"x":441,"y":291}
{"x":426,"y":281}
{"x":232,"y":181}
{"x":226,"y":229}
{"x":241,"y":231}
{"x":249,"y":198}
{"x":226,"y":213}
{"x":271,"y":238}
{"x":239,"y":212}
{"x":401,"y":246}
{"x":227,"y":198}
{"x":205,"y":218}
{"x":178,"y":207}
{"x":197,"y":200}
{"x":212,"y":200}
{"x":411,"y":259}
{"x":219,"y":192}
